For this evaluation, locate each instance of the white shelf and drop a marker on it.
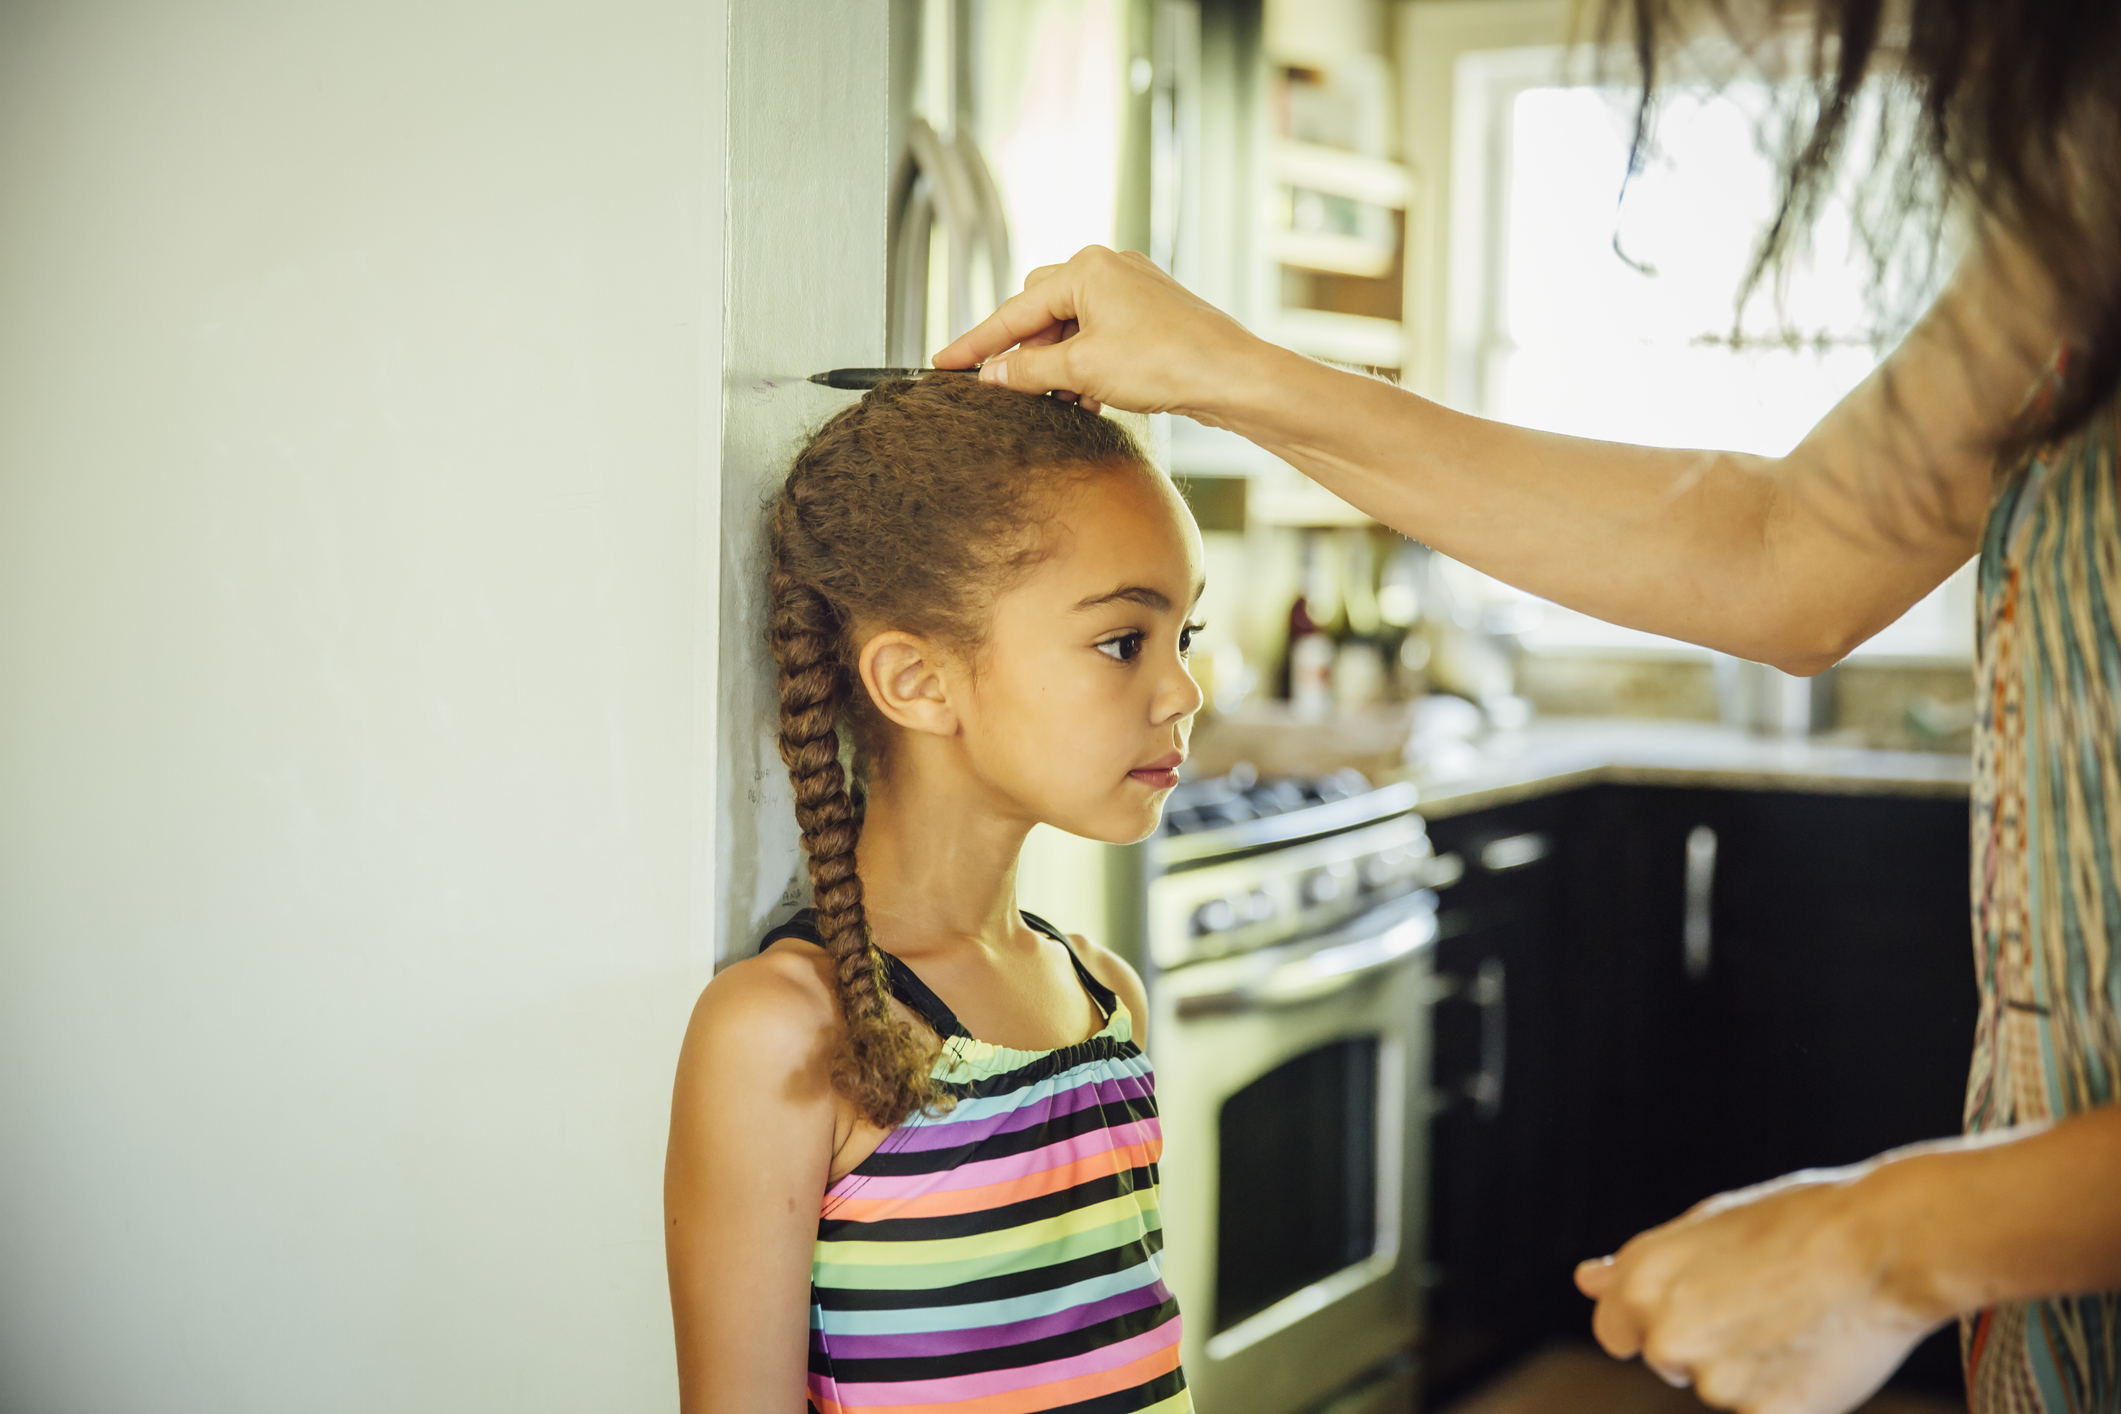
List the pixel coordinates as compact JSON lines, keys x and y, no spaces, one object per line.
{"x":1285,"y":496}
{"x":1343,"y":338}
{"x":1338,"y":172}
{"x":1333,"y":252}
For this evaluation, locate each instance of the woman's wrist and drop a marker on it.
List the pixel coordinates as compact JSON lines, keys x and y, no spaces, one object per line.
{"x":1246,"y":386}
{"x":1914,"y":1207}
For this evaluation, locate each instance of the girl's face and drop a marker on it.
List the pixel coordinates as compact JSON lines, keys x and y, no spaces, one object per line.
{"x":1078,"y":708}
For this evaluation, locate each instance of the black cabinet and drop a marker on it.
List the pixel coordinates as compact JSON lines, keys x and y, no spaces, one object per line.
{"x":1495,"y":1136}
{"x":1700,"y":989}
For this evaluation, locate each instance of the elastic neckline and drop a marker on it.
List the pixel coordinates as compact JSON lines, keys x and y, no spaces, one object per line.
{"x":907,"y":986}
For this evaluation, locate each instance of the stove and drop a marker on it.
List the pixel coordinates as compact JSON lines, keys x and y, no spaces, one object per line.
{"x":1203,"y":807}
{"x":1285,"y":930}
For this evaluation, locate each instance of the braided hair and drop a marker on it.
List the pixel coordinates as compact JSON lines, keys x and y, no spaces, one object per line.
{"x":909,"y":510}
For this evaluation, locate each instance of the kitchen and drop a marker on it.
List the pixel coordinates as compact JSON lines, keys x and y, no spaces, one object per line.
{"x":389,"y":769}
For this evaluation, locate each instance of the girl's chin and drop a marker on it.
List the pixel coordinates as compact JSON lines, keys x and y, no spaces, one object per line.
{"x":1129,"y":824}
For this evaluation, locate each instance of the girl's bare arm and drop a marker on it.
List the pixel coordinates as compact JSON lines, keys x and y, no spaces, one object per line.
{"x":1786,"y":560}
{"x":751,"y":1141}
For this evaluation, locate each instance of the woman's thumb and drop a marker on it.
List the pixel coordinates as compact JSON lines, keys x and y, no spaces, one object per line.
{"x":1033,"y":369}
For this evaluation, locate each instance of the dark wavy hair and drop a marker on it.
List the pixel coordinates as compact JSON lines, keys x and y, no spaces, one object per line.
{"x":2007,"y":109}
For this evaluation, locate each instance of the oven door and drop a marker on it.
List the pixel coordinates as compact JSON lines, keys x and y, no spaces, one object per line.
{"x":1293,"y":1170}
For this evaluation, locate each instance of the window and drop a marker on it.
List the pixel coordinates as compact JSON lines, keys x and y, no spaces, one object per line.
{"x":1554,"y":306}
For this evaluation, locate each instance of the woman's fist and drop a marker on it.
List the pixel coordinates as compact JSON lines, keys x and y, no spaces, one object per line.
{"x":1786,"y":1298}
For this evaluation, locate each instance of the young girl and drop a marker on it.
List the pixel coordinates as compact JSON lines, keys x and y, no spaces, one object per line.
{"x":913,"y":1157}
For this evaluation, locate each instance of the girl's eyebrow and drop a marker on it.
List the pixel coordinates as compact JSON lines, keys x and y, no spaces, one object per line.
{"x":1140,"y":594}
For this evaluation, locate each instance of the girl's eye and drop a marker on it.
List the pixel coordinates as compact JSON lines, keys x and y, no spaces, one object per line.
{"x":1124,"y":649}
{"x":1185,"y":638}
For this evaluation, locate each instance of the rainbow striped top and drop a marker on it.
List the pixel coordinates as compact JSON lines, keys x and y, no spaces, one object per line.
{"x":1007,"y":1255}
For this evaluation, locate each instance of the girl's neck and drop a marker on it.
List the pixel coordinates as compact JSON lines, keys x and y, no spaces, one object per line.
{"x":937,"y":870}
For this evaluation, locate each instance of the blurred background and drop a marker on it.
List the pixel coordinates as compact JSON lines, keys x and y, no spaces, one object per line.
{"x":387,"y":397}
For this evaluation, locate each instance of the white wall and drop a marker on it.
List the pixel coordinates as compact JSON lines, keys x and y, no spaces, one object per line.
{"x":359,"y":398}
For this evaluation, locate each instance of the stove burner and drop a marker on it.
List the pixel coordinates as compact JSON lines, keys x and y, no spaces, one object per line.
{"x":1197,"y":806}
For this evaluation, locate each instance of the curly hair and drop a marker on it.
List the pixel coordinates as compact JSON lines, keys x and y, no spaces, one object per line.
{"x":910,"y":509}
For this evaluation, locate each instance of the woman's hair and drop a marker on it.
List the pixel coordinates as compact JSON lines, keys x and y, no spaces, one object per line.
{"x":910,"y":510}
{"x":2010,"y":106}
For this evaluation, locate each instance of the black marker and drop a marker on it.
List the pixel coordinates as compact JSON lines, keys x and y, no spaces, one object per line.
{"x":861,"y":380}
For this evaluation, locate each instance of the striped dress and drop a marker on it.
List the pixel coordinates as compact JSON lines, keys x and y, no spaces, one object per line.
{"x":2047,"y":876}
{"x":1007,"y":1254}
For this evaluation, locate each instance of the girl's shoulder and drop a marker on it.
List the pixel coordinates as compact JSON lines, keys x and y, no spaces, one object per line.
{"x":766,"y":1018}
{"x":1109,"y":968}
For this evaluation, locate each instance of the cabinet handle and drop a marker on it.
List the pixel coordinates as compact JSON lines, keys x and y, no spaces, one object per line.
{"x":1696,"y":938}
{"x":1485,"y":990}
{"x":1485,"y":1088}
{"x":1514,"y":851}
{"x":1442,"y":871}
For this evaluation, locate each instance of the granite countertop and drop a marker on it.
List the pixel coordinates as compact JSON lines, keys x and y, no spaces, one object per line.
{"x":1559,"y":754}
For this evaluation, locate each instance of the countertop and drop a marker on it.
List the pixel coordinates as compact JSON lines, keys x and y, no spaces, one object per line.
{"x":1560,"y":754}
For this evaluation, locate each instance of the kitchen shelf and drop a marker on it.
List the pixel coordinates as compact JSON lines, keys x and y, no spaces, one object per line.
{"x":1278,"y":493}
{"x":1343,"y":338}
{"x":1338,"y":172}
{"x":1334,"y":253}
{"x":1285,"y":496}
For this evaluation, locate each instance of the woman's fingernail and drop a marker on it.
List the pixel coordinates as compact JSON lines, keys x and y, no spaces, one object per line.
{"x":995,"y":371}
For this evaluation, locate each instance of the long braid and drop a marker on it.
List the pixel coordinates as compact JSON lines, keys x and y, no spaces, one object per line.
{"x":909,"y":509}
{"x":880,"y":1067}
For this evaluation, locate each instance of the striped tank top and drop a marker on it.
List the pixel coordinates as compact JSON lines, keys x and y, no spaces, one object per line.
{"x":1005,"y":1255}
{"x":2047,"y":875}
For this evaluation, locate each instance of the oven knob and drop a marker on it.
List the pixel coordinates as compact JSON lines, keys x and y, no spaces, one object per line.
{"x":1323,"y":886}
{"x":1387,"y":867}
{"x":1259,"y":906}
{"x":1214,"y":916}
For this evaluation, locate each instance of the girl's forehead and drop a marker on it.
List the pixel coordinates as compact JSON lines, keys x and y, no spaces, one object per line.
{"x":1129,"y":527}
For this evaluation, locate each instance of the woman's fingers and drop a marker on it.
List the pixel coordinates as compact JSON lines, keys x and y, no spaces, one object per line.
{"x":1044,"y":303}
{"x":1051,"y":334}
{"x":1617,"y":1325}
{"x":1594,"y":1277}
{"x":1671,"y":1375}
{"x":1034,"y":368}
{"x":1725,"y":1384}
{"x":1112,"y":328}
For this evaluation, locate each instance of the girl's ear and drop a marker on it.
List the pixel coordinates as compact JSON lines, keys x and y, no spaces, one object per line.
{"x":906,"y":679}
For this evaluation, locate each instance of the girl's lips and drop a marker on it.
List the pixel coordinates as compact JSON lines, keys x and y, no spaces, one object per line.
{"x":1160,"y":774}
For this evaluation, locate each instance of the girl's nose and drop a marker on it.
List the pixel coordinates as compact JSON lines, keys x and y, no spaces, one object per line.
{"x":1179,"y":697}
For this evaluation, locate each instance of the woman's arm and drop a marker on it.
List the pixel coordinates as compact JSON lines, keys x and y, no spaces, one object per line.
{"x":751,"y":1140}
{"x":1801,"y":1296}
{"x":1790,"y":560}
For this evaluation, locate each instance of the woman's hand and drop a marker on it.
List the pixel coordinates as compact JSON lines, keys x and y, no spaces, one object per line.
{"x":1110,"y":327}
{"x":1788,"y":1298}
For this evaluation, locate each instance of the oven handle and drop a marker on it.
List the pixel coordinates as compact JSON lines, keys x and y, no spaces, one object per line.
{"x":1321,"y":974}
